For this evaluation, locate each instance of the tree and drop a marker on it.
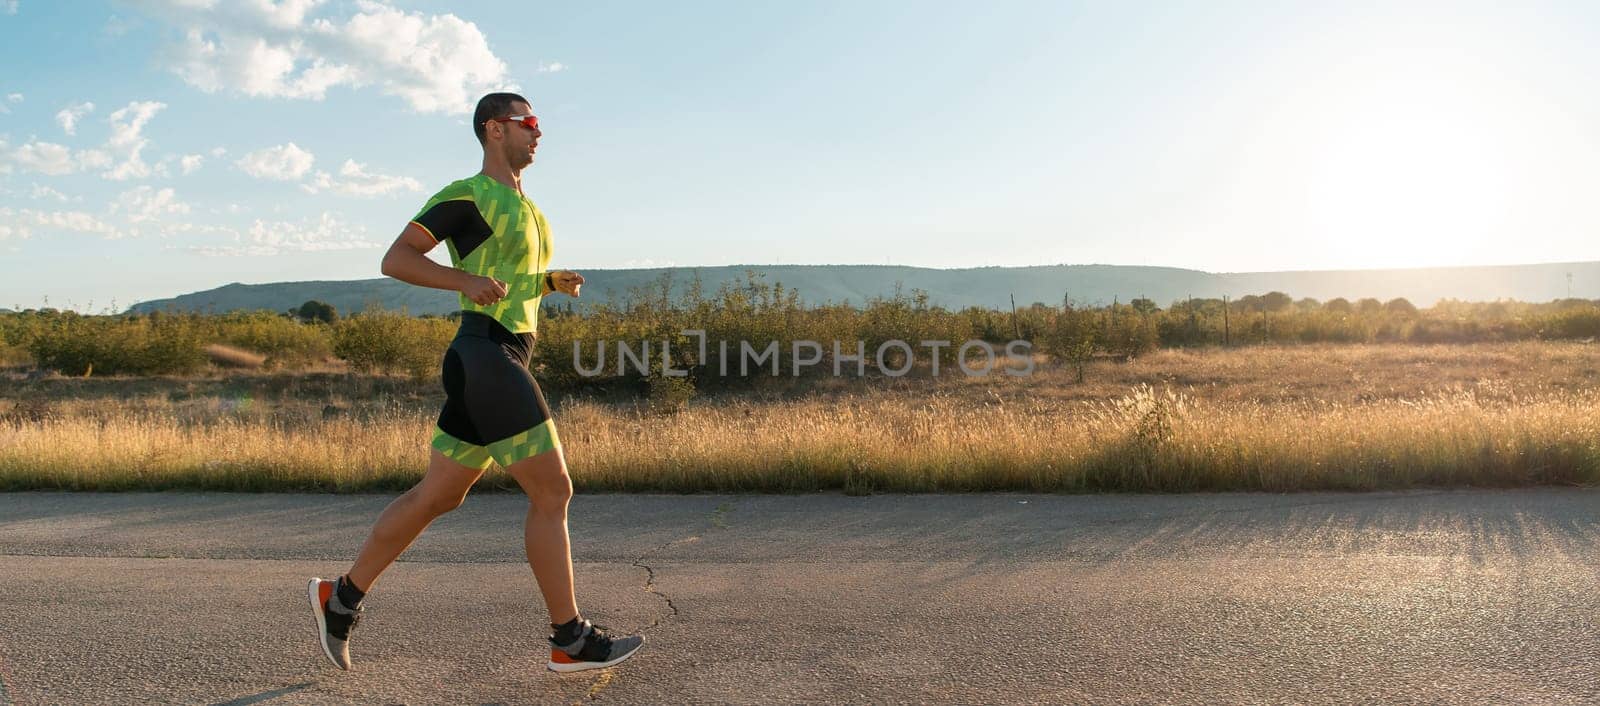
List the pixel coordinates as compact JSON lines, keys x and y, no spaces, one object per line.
{"x":1399,"y":305}
{"x":1144,"y":306}
{"x":1275,"y":301}
{"x":318,"y":311}
{"x":1339,"y":305}
{"x":1369,"y":306}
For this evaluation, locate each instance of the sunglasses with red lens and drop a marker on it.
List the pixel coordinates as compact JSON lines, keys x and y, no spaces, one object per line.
{"x":529,"y":121}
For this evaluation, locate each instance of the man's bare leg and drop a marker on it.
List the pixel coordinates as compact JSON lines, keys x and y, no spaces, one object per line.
{"x":544,"y":478}
{"x":441,"y":490}
{"x":336,"y":603}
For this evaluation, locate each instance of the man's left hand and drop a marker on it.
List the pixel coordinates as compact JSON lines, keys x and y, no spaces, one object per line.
{"x":567,"y":282}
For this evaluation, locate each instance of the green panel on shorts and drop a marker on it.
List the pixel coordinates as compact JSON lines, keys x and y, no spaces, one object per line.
{"x":527,"y":444}
{"x":469,"y":455}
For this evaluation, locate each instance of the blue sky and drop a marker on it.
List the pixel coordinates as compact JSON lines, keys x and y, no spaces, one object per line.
{"x":1218,"y":136}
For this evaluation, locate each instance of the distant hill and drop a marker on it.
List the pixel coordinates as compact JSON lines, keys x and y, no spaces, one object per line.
{"x":985,"y":286}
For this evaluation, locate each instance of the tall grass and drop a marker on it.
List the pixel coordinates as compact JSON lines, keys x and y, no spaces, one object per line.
{"x":1147,"y":438}
{"x":1156,"y":440}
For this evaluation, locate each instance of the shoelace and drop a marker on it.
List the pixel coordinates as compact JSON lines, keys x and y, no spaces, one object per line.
{"x":599,"y":638}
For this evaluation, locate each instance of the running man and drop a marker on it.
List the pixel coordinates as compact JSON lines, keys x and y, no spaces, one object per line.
{"x":493,"y":411}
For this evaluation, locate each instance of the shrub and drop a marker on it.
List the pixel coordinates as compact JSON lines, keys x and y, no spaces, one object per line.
{"x":285,"y":342}
{"x":391,"y":342}
{"x":120,"y":345}
{"x":314,"y":310}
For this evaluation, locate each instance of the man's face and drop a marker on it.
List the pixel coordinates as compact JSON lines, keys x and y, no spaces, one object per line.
{"x":519,"y":142}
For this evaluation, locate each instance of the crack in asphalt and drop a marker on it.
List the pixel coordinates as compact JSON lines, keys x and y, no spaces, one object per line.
{"x":650,"y":579}
{"x":604,"y":678}
{"x":718,"y":520}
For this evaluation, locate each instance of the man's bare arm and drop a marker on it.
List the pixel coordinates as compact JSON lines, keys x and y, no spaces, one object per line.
{"x":407,"y":261}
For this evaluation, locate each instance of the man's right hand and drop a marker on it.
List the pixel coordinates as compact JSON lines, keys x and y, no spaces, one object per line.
{"x":483,"y":291}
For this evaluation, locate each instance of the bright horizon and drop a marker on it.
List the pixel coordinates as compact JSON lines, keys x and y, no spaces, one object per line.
{"x":155,"y":148}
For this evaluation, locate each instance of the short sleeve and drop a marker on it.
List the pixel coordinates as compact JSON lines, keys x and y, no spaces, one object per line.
{"x":456,"y":219}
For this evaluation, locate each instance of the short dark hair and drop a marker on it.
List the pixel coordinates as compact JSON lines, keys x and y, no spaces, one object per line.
{"x":494,"y":105}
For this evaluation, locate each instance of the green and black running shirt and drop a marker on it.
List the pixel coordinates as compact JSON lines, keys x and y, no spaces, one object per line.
{"x":492,"y":230}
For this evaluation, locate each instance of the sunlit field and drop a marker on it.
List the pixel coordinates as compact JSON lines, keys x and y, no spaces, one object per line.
{"x":1276,"y":418}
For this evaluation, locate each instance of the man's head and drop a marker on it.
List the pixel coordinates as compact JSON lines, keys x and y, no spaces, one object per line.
{"x":504,"y":128}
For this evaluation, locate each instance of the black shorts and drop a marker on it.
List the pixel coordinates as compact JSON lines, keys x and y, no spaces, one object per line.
{"x":493,"y":409}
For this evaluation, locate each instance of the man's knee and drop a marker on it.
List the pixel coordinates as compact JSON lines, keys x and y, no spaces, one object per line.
{"x":436,"y":503}
{"x":544,"y":478}
{"x":552,"y":493}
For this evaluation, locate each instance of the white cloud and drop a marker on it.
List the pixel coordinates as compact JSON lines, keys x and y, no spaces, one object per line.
{"x":51,"y":159}
{"x":121,"y":156}
{"x":44,"y":158}
{"x":13,"y":97}
{"x":254,"y":67}
{"x":94,"y":159}
{"x":127,"y":140}
{"x":143,"y":204}
{"x":171,"y":228}
{"x":552,"y":67}
{"x":68,"y":116}
{"x":190,"y":162}
{"x":218,"y":151}
{"x":354,"y":180}
{"x":285,"y":14}
{"x":138,"y":211}
{"x":9,"y":7}
{"x":9,"y":228}
{"x":76,"y":220}
{"x":436,"y":63}
{"x":39,"y":193}
{"x":310,"y":235}
{"x":280,"y":163}
{"x":22,"y":222}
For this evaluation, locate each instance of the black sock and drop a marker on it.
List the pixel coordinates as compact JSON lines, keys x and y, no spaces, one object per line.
{"x":348,"y":594}
{"x":568,"y":632}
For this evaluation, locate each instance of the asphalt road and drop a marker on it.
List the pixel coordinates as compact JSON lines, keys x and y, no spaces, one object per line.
{"x":1440,"y":597}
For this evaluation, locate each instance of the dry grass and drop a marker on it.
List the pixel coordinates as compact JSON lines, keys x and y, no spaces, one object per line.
{"x":1282,"y":419}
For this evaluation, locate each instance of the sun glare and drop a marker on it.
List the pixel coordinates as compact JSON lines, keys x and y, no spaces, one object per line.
{"x":1413,"y":170}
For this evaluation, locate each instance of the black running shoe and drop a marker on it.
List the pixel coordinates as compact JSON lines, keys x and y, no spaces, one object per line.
{"x":334,"y":621}
{"x":591,"y":649}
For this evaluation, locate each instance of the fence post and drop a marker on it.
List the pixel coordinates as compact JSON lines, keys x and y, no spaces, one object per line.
{"x":1225,"y":342}
{"x":1015,"y":330}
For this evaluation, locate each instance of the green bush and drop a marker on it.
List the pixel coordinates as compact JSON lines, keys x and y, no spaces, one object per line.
{"x":1572,"y":322}
{"x":390,"y":342}
{"x":120,"y":345}
{"x":285,"y":342}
